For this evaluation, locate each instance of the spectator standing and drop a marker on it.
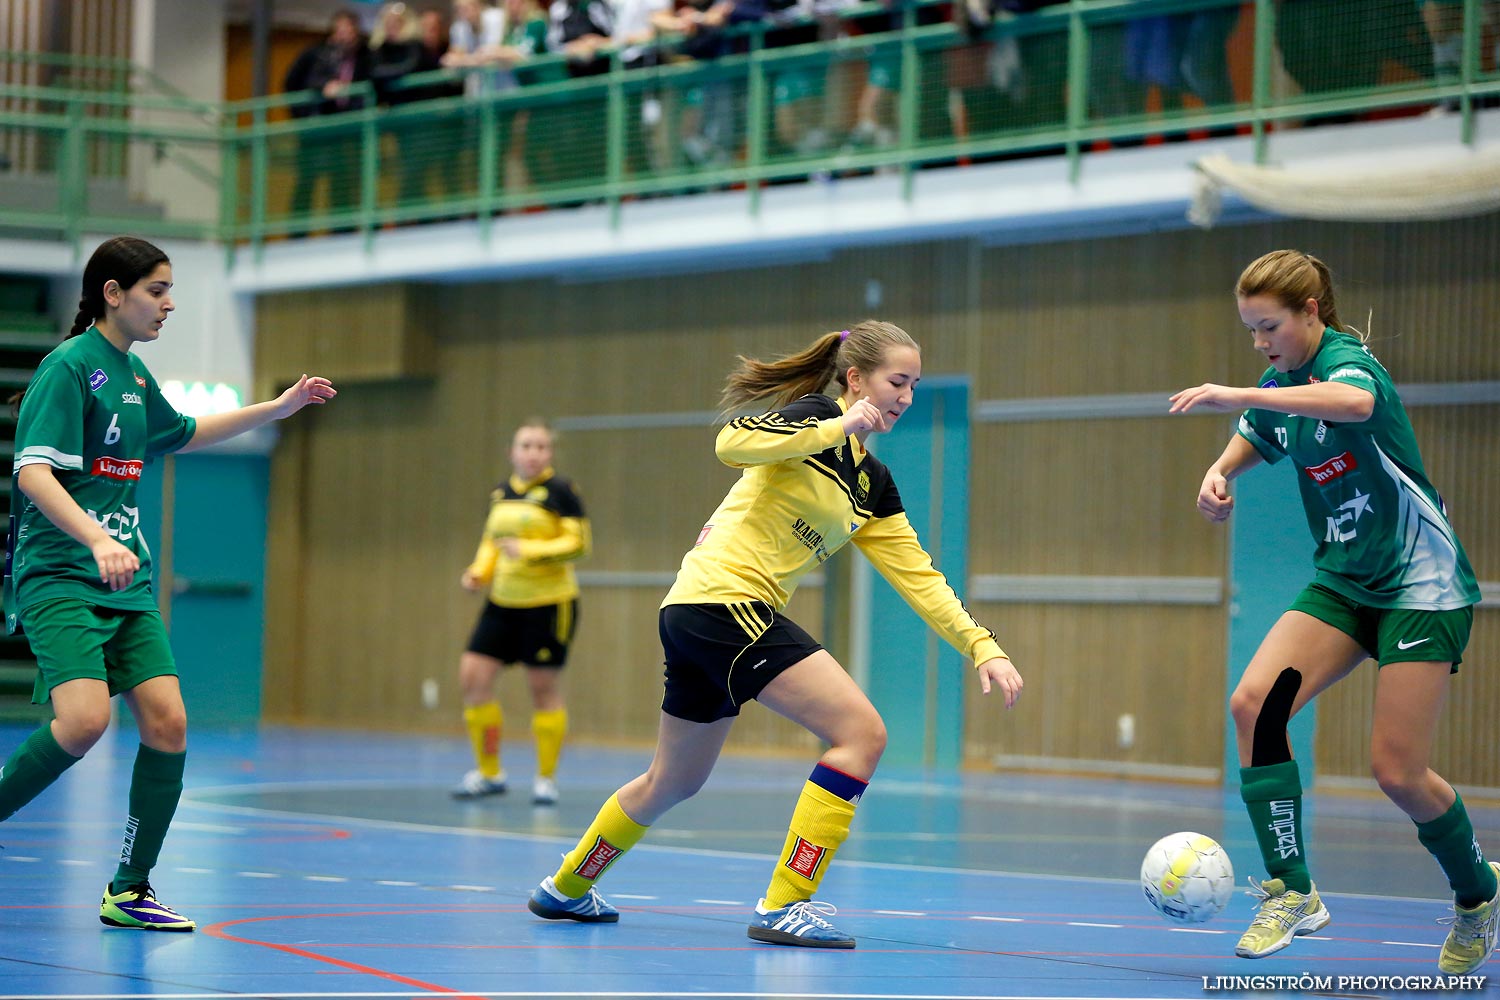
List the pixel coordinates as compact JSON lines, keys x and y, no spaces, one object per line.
{"x":330,"y":68}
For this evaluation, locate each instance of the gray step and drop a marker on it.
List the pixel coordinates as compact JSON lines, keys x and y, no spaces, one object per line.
{"x":23,"y":340}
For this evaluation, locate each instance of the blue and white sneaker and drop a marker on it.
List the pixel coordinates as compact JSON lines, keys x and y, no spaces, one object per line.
{"x":800,"y":923}
{"x":476,"y":784}
{"x":550,"y":904}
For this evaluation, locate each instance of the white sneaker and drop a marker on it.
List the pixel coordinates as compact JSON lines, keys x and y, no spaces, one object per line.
{"x":1472,"y":940}
{"x":475,"y":785}
{"x":543,"y":792}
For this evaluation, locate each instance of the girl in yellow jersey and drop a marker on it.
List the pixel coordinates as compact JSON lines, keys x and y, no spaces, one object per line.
{"x":809,"y":486}
{"x":535,"y":531}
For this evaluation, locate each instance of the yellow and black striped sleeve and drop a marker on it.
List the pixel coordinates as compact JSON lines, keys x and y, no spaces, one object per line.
{"x":892,"y":546}
{"x":804,"y":427}
{"x":570,"y":537}
{"x":573,"y":541}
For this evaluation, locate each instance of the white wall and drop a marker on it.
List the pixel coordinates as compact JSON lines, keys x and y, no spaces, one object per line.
{"x":181,"y":42}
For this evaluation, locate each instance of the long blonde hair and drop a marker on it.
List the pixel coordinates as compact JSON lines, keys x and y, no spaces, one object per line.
{"x":828,"y":359}
{"x":1291,"y":277}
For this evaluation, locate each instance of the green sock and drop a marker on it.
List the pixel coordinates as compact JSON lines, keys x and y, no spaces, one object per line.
{"x":1450,"y":838}
{"x":34,"y":765}
{"x":1273,"y":797}
{"x":155,"y":787}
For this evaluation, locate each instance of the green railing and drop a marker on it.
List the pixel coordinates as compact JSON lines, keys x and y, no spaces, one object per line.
{"x":1064,"y":80}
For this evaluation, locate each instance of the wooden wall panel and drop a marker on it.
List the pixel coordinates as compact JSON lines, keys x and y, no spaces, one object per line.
{"x":1105,"y":497}
{"x":1085,"y":665}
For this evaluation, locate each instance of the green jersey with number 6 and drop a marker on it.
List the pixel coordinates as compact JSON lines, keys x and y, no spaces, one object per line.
{"x":95,"y":415}
{"x":1382,"y":532}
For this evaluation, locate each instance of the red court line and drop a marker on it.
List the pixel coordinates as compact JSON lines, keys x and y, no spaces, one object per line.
{"x":218,"y":930}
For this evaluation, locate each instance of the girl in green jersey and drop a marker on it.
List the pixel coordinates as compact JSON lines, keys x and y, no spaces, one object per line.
{"x":78,"y":572}
{"x":1393,"y":584}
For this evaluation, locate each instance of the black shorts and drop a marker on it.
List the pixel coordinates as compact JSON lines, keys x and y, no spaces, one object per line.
{"x":537,"y":637}
{"x":719,"y":656}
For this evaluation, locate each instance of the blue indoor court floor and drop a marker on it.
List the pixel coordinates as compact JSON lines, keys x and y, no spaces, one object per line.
{"x":334,"y":864}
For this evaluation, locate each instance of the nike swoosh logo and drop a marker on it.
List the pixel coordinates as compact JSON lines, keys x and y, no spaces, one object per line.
{"x":1402,"y":644}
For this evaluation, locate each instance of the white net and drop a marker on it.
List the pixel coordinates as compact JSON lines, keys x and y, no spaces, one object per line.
{"x":1467,"y":185}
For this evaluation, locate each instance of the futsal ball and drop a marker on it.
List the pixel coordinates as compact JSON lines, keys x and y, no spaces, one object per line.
{"x":1187,"y":877}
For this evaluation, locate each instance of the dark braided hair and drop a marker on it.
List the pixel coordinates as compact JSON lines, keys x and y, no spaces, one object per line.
{"x":124,"y":260}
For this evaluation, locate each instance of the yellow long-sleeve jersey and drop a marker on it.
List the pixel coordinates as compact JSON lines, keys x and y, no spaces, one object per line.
{"x":545,"y":516}
{"x":808,"y":489}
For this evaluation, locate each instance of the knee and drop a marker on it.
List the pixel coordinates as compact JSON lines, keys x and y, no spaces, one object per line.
{"x":1244,"y":708}
{"x":166,"y":730}
{"x":78,"y":731}
{"x":866,"y":743}
{"x":876,"y":739}
{"x":474,"y":677}
{"x":1397,"y":774}
{"x":663,"y":791}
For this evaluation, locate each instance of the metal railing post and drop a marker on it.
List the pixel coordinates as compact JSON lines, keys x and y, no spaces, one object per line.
{"x":260,"y":170}
{"x":614,"y":136}
{"x":369,"y":172}
{"x":1260,"y":85}
{"x":1468,"y":67}
{"x":755,"y":118}
{"x":488,"y":162}
{"x":910,"y":99}
{"x":1078,"y":88}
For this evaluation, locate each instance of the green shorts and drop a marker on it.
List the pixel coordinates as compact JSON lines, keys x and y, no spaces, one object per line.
{"x":1391,"y":635}
{"x":72,"y":638}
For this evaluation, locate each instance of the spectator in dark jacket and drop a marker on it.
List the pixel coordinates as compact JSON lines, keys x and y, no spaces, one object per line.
{"x":329,"y":68}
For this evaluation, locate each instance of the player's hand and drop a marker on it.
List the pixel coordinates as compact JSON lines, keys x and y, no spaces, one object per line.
{"x":999,"y":672}
{"x":863,"y":418}
{"x":470,"y":581}
{"x":117,"y":564}
{"x":1214,"y":500}
{"x":309,"y":389}
{"x":1208,"y":396}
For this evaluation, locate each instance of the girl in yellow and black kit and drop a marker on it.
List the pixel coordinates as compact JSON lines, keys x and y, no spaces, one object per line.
{"x":808,"y":487}
{"x":536,"y":530}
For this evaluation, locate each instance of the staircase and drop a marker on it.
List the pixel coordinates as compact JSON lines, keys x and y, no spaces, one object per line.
{"x":27,"y":333}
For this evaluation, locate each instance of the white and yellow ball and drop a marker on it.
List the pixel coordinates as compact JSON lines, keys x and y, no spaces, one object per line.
{"x":1187,"y":877}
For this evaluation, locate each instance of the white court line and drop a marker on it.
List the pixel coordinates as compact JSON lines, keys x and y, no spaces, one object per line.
{"x":391,"y":881}
{"x":1412,"y":944}
{"x":189,"y":800}
{"x":1082,"y":923}
{"x":899,"y":913}
{"x":473,"y":888}
{"x":257,"y":875}
{"x":998,"y":920}
{"x":714,"y":902}
{"x":1194,"y":930}
{"x":325,"y":878}
{"x":626,"y":895}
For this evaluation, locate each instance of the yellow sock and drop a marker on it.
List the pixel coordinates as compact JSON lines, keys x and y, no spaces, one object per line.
{"x":819,"y":825}
{"x":610,"y":835}
{"x":549,"y":728}
{"x":484,"y":723}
